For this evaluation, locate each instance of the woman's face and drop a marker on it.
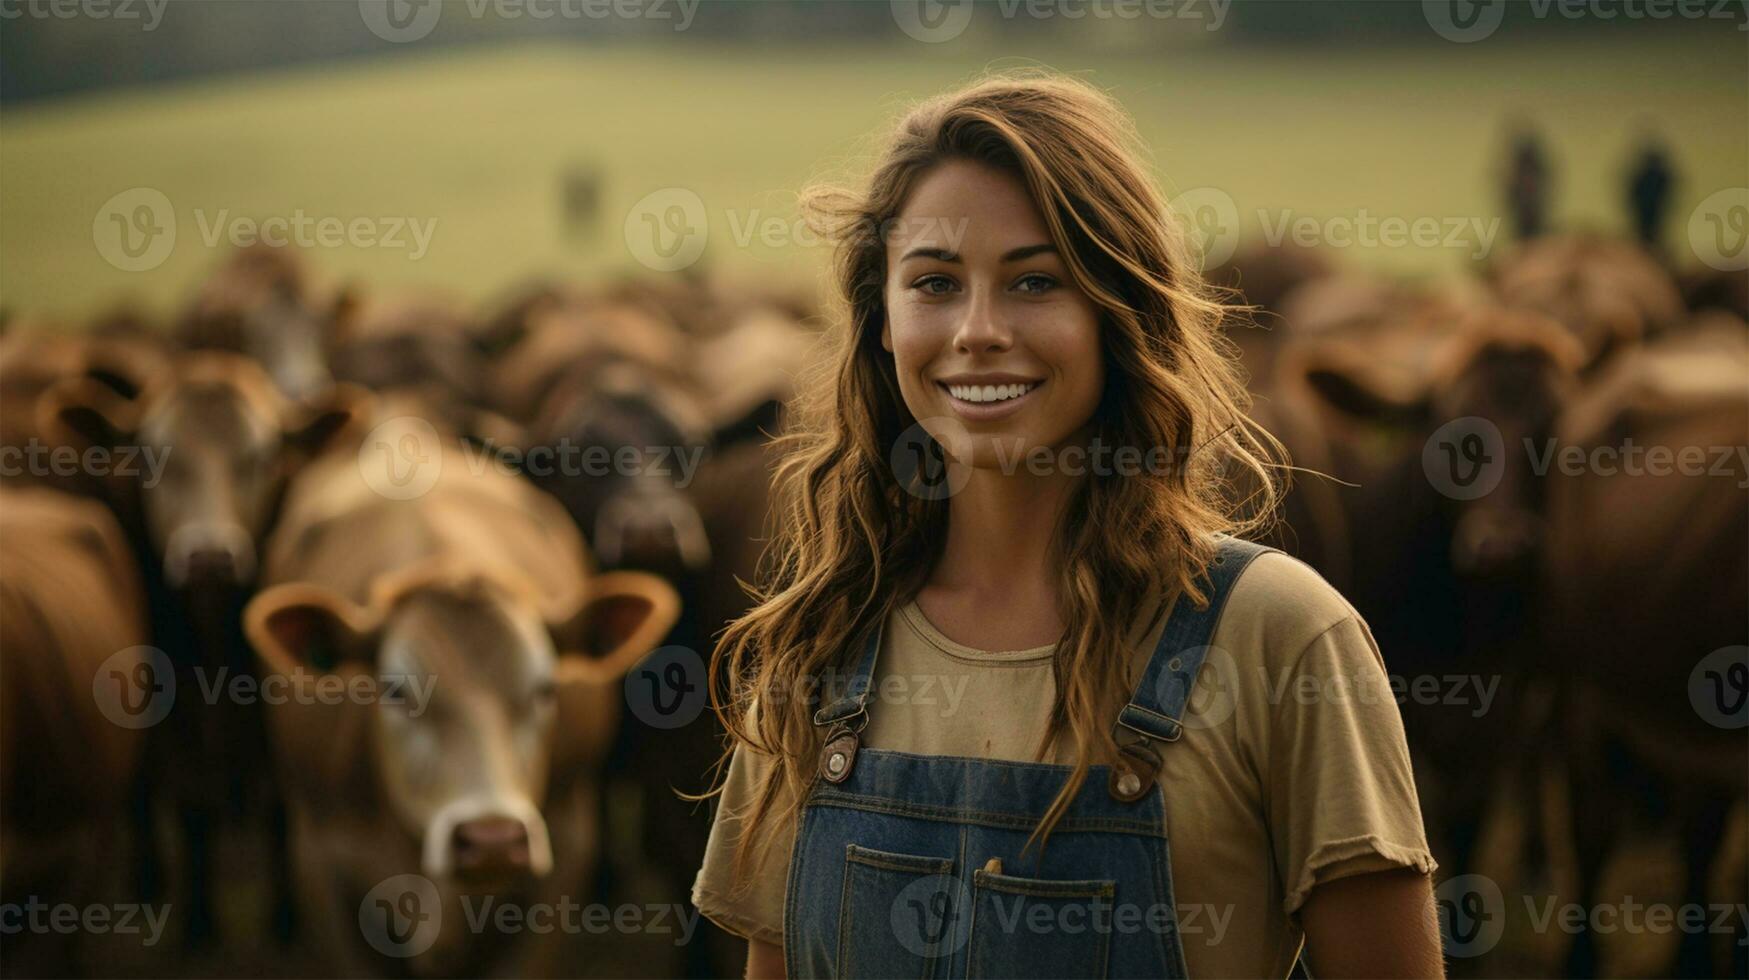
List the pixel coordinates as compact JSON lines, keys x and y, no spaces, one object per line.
{"x":991,"y":338}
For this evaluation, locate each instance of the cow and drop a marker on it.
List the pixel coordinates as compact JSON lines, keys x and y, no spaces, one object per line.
{"x":468,"y":602}
{"x":36,"y":356}
{"x":210,"y":441}
{"x":1401,"y":415}
{"x":1258,"y":279}
{"x":1611,"y":294}
{"x":418,"y":348}
{"x":76,"y":690}
{"x":263,"y":304}
{"x":1646,"y":576}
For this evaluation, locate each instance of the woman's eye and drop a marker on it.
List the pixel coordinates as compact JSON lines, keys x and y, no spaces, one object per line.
{"x":933,"y":285}
{"x":1035,"y":282}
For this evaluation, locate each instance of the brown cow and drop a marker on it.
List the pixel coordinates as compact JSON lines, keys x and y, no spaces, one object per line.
{"x":1648,"y":581}
{"x":210,"y":442}
{"x":35,"y":357}
{"x":262,"y":303}
{"x":466,"y":599}
{"x":76,"y":689}
{"x":1608,"y":292}
{"x":1442,"y":566}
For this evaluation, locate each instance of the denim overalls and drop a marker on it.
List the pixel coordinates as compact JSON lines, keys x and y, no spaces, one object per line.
{"x":909,"y":865}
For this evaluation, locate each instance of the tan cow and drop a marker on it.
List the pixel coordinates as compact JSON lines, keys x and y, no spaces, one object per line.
{"x":464,"y":601}
{"x":76,"y":692}
{"x":262,"y":302}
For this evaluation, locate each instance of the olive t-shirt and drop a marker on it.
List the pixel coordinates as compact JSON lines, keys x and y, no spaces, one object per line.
{"x":1292,"y":770}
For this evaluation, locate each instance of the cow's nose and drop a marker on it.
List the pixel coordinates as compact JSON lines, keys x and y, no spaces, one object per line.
{"x":490,"y":845}
{"x":209,"y":556}
{"x":1492,"y":543}
{"x":655,"y":531}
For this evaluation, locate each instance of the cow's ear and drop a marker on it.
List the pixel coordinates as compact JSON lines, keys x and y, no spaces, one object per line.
{"x":310,"y":425}
{"x":1364,"y":397}
{"x":84,"y":411}
{"x":625,"y":615}
{"x":298,"y":625}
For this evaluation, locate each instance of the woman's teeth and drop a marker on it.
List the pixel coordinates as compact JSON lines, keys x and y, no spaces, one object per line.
{"x":989,"y":393}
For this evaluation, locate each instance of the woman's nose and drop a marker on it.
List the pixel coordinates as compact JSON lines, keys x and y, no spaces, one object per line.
{"x":982,"y":329}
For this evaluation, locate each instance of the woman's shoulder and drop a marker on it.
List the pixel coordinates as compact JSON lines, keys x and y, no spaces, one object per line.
{"x":1279,"y":606}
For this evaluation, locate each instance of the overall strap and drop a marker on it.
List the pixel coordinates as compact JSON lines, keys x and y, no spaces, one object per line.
{"x":853,"y":703}
{"x":1158,"y":703}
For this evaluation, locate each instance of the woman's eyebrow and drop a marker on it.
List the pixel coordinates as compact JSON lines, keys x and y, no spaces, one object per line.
{"x":947,"y":255}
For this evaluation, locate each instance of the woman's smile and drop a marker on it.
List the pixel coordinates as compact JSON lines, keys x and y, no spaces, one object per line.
{"x":988,"y":397}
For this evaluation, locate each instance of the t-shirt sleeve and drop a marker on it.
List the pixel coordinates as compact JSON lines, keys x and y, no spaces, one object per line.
{"x":752,"y":909}
{"x":1342,"y":791}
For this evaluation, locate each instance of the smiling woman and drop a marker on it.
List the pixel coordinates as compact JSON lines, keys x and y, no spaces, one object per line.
{"x":1118,"y":635}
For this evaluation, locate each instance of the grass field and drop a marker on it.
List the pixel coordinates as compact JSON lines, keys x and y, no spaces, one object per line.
{"x":477,"y":141}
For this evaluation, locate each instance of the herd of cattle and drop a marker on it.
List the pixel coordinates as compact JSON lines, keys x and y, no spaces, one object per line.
{"x":301,"y":485}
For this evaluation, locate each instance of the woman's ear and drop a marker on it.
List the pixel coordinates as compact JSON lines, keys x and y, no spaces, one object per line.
{"x":887,"y":334}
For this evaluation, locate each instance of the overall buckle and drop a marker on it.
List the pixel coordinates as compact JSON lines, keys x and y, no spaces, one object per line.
{"x":1134,"y":774}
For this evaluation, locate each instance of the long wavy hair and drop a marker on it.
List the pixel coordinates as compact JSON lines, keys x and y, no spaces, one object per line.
{"x":849,"y":543}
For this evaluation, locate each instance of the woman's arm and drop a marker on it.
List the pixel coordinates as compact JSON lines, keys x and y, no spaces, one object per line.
{"x":764,"y":961}
{"x":1381,"y":924}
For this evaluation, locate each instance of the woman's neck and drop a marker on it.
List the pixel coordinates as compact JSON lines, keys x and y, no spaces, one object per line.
{"x":994,"y":586}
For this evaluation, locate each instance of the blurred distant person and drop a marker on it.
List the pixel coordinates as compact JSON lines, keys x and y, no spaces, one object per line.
{"x":1527,"y":184}
{"x":1649,"y":186}
{"x":582,"y":188}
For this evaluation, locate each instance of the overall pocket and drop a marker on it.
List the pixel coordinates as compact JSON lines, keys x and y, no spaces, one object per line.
{"x":1031,"y":927}
{"x":898,"y":914}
